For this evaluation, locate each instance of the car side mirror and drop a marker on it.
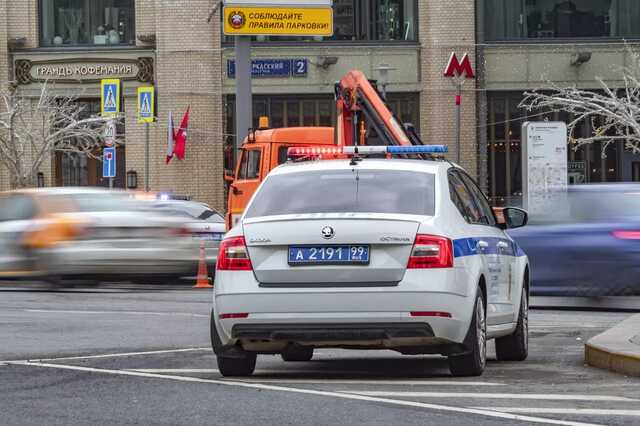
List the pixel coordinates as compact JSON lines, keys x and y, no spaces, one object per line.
{"x":228,"y":178}
{"x":513,"y":217}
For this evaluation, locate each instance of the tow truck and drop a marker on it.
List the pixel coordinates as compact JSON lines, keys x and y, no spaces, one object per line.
{"x":363,"y":118}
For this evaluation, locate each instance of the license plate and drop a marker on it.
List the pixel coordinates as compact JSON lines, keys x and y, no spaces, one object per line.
{"x":329,"y":255}
{"x":208,"y":237}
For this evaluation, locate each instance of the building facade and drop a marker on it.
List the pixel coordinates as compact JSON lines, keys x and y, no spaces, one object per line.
{"x":531,"y":44}
{"x":177,"y":46}
{"x":70,"y":45}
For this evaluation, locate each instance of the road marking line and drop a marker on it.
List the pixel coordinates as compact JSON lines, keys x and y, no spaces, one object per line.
{"x":576,"y":411}
{"x":495,"y":414}
{"x":116,"y":355}
{"x":175,"y":370}
{"x":169,"y":314}
{"x":313,"y":381}
{"x":550,"y":397}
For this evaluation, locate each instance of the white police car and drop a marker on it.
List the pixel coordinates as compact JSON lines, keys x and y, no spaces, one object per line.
{"x":371,"y":254}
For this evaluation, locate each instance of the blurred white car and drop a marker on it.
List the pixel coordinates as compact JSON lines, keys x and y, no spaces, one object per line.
{"x":69,"y":233}
{"x":205,"y":225}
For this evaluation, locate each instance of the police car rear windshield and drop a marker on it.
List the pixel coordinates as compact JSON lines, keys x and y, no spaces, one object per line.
{"x":346,"y":191}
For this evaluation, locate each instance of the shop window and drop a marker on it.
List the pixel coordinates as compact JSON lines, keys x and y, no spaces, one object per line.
{"x":504,"y":123}
{"x":81,"y":169}
{"x":543,"y":19}
{"x":311,"y":110}
{"x":366,"y":20}
{"x":87,"y":22}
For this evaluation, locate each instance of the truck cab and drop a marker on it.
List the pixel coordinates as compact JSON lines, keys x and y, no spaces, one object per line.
{"x":262,"y":151}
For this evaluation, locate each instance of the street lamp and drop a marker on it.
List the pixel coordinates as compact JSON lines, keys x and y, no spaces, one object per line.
{"x":384,"y":69}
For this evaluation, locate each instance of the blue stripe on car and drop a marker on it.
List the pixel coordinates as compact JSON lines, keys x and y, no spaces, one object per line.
{"x":469,"y":247}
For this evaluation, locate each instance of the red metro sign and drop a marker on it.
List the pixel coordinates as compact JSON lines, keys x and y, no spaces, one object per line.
{"x":459,"y":68}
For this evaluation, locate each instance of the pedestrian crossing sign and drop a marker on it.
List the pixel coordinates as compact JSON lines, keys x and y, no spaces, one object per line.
{"x":146,"y":104}
{"x":110,"y":97}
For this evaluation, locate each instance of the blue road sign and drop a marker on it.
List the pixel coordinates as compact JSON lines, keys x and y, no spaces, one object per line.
{"x":110,"y":97}
{"x":300,"y":67}
{"x":261,"y":68}
{"x":109,"y":163}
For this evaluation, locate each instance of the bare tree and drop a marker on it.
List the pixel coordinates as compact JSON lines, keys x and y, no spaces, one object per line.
{"x":32,"y":128}
{"x":613,"y":112}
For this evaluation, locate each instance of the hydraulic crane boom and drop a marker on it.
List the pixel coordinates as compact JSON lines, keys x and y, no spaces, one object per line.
{"x":359,"y":104}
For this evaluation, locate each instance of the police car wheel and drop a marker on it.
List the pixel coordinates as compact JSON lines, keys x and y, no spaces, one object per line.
{"x":238,"y":365}
{"x":297,"y":353}
{"x":473,"y":362}
{"x":515,"y":347}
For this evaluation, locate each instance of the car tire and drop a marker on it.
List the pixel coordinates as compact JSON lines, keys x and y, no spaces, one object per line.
{"x":242,"y":364}
{"x":297,"y":353}
{"x":515,"y":347}
{"x":473,"y":362}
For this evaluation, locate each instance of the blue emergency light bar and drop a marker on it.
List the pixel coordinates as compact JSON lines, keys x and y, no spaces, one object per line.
{"x":395,"y":149}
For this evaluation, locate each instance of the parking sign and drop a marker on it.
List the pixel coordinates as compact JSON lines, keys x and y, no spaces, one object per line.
{"x":146,"y":104}
{"x":109,"y":163}
{"x":110,"y":98}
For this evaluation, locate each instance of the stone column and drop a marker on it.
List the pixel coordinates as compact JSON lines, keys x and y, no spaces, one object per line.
{"x":188,"y":73}
{"x":447,"y":27}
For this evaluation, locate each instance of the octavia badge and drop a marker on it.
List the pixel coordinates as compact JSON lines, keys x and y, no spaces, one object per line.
{"x":328,"y":232}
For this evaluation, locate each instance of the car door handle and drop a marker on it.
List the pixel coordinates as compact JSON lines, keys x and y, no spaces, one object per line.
{"x":503,"y":245}
{"x":482,"y":245}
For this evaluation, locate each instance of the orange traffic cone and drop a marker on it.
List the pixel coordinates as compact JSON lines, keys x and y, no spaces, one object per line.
{"x":203,"y":280}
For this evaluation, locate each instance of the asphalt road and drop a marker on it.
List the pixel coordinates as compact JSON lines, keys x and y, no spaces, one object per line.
{"x":141,"y":355}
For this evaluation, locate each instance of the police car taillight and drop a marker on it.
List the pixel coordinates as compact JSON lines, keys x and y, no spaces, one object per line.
{"x":233,"y":255}
{"x":430,"y":251}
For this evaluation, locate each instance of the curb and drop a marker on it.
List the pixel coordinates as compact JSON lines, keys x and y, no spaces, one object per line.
{"x":617,"y":349}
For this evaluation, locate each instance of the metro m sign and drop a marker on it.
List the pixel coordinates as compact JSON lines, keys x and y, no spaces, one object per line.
{"x":459,"y":68}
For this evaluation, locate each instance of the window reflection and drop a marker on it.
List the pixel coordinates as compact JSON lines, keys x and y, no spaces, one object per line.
{"x":82,"y":22}
{"x":535,"y":19}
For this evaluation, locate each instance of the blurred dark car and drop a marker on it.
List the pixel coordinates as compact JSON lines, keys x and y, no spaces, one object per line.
{"x":589,"y":245}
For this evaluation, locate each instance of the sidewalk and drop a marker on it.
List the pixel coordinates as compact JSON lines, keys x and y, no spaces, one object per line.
{"x":617,"y":349}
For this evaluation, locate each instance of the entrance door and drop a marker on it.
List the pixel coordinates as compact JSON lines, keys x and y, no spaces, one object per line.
{"x":80,"y":169}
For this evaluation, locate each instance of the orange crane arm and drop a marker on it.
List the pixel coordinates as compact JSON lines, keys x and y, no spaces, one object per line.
{"x":356,"y":100}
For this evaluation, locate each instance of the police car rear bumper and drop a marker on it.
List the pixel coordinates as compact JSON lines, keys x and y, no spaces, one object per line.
{"x":429,"y":311}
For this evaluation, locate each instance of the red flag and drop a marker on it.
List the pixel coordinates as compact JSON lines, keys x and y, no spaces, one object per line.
{"x":181,"y":136}
{"x":171,"y":139}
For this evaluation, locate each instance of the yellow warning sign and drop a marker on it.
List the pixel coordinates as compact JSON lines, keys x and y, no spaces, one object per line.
{"x":279,"y":21}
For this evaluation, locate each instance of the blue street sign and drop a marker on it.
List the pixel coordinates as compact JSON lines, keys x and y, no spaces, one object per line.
{"x":261,"y":68}
{"x":299,"y":67}
{"x":146,"y":104}
{"x":109,"y":163}
{"x":110,"y":97}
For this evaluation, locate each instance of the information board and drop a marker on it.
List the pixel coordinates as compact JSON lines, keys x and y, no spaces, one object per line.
{"x":544,"y":167}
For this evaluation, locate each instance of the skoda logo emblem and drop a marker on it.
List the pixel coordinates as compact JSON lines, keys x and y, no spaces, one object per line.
{"x":328,"y":232}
